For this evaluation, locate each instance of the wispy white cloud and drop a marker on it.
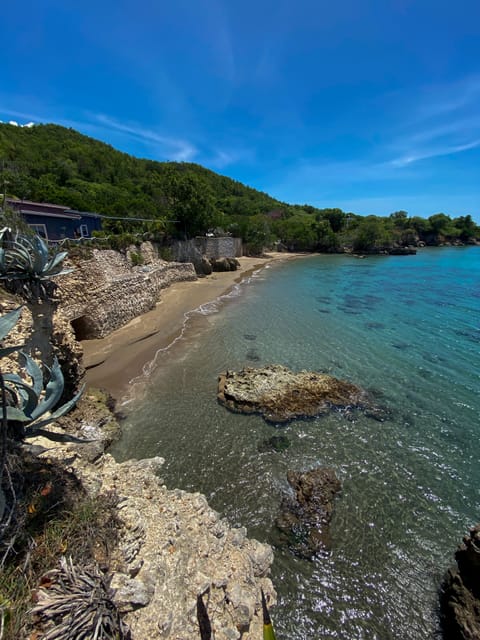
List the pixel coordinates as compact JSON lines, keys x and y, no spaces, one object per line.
{"x":221,"y":42}
{"x":163,"y":147}
{"x":442,"y":121}
{"x":166,"y":147}
{"x":220,"y":158}
{"x":445,"y":121}
{"x":440,"y":99}
{"x":174,"y":148}
{"x":433,"y":153}
{"x":17,"y":114}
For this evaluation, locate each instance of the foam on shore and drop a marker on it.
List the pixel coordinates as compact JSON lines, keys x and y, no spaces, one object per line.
{"x":121,"y":361}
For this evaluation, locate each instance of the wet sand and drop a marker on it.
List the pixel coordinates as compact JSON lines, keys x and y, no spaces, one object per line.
{"x":112,"y":362}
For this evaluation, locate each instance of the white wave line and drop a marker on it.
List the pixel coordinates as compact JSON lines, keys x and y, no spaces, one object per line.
{"x":208,"y":308}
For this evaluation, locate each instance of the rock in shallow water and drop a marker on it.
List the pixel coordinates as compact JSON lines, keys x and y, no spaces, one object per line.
{"x":460,"y":597}
{"x":281,"y":395}
{"x":304,"y":520}
{"x":275,"y":443}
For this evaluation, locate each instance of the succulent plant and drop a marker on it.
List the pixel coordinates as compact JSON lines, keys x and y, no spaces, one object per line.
{"x":7,"y":322}
{"x":31,"y":406}
{"x":24,"y":257}
{"x":27,"y":265}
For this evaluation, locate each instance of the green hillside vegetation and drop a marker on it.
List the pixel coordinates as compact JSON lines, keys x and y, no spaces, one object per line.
{"x":50,"y":163}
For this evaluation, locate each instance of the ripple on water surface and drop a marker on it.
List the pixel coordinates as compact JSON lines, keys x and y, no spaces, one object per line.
{"x":406,"y":328}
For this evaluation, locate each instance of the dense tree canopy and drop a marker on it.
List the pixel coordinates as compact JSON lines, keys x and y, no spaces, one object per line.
{"x":50,"y":163}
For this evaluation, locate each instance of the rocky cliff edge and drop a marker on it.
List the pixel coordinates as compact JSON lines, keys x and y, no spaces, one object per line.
{"x":172,"y":546}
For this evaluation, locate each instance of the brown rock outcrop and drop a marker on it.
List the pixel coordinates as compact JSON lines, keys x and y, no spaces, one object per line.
{"x":281,"y":395}
{"x":460,"y":597}
{"x":304,"y":520}
{"x":224,"y":264}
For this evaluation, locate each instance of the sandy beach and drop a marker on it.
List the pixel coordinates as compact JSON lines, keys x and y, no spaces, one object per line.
{"x":112,"y":362}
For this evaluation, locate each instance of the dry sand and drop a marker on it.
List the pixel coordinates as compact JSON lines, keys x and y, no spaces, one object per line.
{"x":112,"y":362}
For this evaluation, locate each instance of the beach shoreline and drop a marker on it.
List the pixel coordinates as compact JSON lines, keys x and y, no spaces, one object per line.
{"x":114,"y":361}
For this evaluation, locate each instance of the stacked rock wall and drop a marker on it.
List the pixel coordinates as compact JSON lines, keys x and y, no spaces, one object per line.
{"x":224,"y":247}
{"x":193,"y":250}
{"x":105,"y":292}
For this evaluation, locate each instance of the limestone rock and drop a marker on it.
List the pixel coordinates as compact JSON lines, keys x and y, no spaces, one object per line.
{"x":130,"y":594}
{"x":172,"y":549}
{"x":304,"y":520}
{"x":460,"y":597}
{"x":281,"y":395}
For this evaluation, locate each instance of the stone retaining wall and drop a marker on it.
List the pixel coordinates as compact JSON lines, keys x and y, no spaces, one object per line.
{"x":193,"y":250}
{"x":225,"y":247}
{"x":105,"y":292}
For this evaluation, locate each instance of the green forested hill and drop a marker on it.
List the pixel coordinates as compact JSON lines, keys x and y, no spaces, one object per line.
{"x":50,"y":163}
{"x":54,"y":164}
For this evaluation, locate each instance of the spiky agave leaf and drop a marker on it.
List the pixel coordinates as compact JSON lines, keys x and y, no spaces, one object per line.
{"x":8,"y":321}
{"x":24,"y":391}
{"x":53,"y":390}
{"x":40,"y":254}
{"x":33,"y":370}
{"x":58,"y":413}
{"x":54,"y":266}
{"x":17,"y":256}
{"x":16,"y":415}
{"x":27,"y":403}
{"x":22,"y":257}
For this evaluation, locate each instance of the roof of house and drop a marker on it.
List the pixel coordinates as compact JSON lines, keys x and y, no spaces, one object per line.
{"x":37,"y":204}
{"x":45,"y":214}
{"x":59,"y":210}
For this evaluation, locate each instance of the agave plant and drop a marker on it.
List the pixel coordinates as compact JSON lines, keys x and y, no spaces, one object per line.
{"x":7,"y":322}
{"x":28,"y":406}
{"x":28,"y":268}
{"x":27,"y":264}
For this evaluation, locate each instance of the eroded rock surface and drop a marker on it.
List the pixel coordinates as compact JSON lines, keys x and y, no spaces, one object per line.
{"x":305,"y":517}
{"x":281,"y":395}
{"x":172,"y":547}
{"x":460,"y":598}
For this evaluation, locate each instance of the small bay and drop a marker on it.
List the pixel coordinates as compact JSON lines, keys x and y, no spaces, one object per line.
{"x":405,"y":328}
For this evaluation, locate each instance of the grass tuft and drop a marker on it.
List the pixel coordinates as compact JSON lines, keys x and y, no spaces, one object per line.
{"x":52,"y":518}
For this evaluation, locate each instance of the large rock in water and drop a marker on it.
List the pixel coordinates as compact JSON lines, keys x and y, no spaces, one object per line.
{"x":460,"y":598}
{"x":304,"y":520}
{"x":281,"y":395}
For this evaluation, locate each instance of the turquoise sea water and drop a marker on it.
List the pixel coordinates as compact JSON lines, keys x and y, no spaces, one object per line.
{"x":406,"y":328}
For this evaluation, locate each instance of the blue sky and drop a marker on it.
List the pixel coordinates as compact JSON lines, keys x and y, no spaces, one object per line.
{"x":369,"y":105}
